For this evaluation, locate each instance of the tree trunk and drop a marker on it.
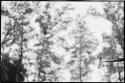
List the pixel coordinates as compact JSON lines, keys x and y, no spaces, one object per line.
{"x":119,"y":73}
{"x":80,"y":68}
{"x":39,"y":76}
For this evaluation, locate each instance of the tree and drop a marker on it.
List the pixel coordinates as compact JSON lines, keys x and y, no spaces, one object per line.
{"x":114,"y":13}
{"x":117,"y":19}
{"x":14,"y":35}
{"x":83,"y":46}
{"x":47,"y":24}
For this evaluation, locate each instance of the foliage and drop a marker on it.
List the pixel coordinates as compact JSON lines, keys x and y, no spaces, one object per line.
{"x":82,"y":45}
{"x":47,"y":23}
{"x":13,"y":34}
{"x":25,"y":18}
{"x":114,"y":13}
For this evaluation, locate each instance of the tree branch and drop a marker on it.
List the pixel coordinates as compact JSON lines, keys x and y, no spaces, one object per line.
{"x":116,"y":60}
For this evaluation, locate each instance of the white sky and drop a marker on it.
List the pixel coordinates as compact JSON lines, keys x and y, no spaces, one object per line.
{"x":96,"y":25}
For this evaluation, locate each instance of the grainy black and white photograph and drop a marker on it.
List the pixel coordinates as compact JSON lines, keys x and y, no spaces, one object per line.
{"x":62,"y":41}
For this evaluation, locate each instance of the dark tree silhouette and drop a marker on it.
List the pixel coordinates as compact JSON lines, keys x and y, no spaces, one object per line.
{"x":10,"y":72}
